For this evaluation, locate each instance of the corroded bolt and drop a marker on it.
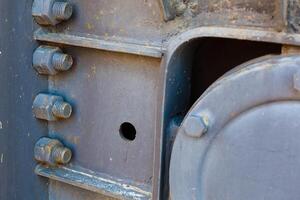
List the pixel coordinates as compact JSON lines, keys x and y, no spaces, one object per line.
{"x":51,"y":151}
{"x":194,"y":126}
{"x":51,"y":12}
{"x":62,"y":109}
{"x":62,"y":10}
{"x":61,"y":61}
{"x":296,"y":81}
{"x":180,"y":8}
{"x":51,"y":107}
{"x":194,"y":7}
{"x":50,"y":60}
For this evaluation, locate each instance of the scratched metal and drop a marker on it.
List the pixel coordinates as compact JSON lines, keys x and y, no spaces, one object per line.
{"x":131,"y":47}
{"x":95,"y":182}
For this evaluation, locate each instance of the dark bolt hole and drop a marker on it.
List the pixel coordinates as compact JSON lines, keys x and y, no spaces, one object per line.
{"x":127,"y":131}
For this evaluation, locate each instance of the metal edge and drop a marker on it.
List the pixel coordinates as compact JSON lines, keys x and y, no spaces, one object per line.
{"x":167,"y":10}
{"x":94,"y":182}
{"x":171,"y":47}
{"x":94,"y":42}
{"x":258,"y":35}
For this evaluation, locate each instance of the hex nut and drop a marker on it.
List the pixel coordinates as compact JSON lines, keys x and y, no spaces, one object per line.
{"x":50,"y":60}
{"x":180,"y":8}
{"x":194,"y":126}
{"x":51,"y":12}
{"x":51,"y":107}
{"x":51,"y":152}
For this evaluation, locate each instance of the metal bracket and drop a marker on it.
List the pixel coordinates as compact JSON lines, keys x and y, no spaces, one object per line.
{"x":95,"y":182}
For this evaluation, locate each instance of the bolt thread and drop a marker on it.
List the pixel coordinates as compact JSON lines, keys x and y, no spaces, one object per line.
{"x":61,"y":155}
{"x":62,"y":109}
{"x":62,"y":62}
{"x":180,"y":7}
{"x":62,"y":10}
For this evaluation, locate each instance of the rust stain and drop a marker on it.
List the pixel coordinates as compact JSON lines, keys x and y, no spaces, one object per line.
{"x":89,"y":26}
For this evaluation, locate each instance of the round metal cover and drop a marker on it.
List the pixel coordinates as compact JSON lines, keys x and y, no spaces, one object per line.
{"x":251,"y":148}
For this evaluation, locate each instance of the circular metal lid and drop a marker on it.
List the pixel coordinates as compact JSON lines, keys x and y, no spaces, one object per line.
{"x":245,"y":144}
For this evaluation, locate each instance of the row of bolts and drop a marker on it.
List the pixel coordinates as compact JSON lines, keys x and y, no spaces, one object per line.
{"x":49,"y":60}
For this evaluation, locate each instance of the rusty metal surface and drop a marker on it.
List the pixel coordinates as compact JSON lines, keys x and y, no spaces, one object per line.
{"x":145,"y":22}
{"x":59,"y":190}
{"x":106,"y":22}
{"x":106,"y":90}
{"x":123,"y":65}
{"x":131,"y":46}
{"x":292,"y":15}
{"x":137,"y":19}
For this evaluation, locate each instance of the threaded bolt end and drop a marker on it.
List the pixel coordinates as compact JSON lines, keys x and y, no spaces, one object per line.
{"x":62,"y":62}
{"x":62,"y":155}
{"x":62,"y":10}
{"x":180,"y":8}
{"x":62,"y":109}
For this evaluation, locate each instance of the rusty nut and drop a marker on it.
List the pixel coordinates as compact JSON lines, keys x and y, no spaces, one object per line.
{"x":50,"y":60}
{"x":51,"y":107}
{"x":51,"y":152}
{"x":51,"y":12}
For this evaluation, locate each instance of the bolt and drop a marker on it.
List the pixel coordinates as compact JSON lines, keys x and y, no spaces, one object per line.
{"x":62,"y":10}
{"x":62,"y":62}
{"x":51,"y":151}
{"x":194,"y":7}
{"x":49,"y":60}
{"x":180,"y":7}
{"x":194,"y":126}
{"x":62,"y":109}
{"x":62,"y":155}
{"x":51,"y":12}
{"x":51,"y":107}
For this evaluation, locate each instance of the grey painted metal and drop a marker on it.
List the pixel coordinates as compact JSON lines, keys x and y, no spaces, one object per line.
{"x":99,"y":183}
{"x":195,"y":126}
{"x":51,"y":107}
{"x":18,"y":85}
{"x":108,"y":88}
{"x":59,"y":190}
{"x":51,"y":151}
{"x":297,"y":80}
{"x":51,"y":12}
{"x":50,"y":60}
{"x":250,"y":134}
